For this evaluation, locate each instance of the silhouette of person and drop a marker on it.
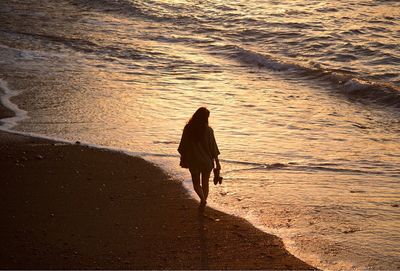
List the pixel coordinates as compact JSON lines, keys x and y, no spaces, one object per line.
{"x":199,"y":150}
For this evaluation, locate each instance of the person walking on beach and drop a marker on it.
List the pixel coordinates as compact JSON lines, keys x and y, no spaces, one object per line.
{"x":199,"y":150}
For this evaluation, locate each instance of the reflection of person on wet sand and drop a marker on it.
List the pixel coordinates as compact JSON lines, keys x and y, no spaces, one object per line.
{"x":199,"y":150}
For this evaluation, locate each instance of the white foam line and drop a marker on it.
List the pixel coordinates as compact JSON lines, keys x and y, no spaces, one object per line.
{"x":20,"y":114}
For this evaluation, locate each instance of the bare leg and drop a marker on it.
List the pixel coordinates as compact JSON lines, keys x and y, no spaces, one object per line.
{"x":197,"y":187}
{"x":205,"y":177}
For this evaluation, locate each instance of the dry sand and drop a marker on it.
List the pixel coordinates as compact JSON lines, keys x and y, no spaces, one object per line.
{"x":68,"y":206}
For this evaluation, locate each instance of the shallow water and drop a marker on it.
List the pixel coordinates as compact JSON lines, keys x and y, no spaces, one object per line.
{"x":303,"y":98}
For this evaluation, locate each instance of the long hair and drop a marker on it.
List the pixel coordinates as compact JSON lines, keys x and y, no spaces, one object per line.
{"x":198,"y":124}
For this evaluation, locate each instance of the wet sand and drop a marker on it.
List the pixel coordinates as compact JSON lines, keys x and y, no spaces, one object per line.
{"x":68,"y":206}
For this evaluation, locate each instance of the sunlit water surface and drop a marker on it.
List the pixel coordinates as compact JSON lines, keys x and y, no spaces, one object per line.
{"x":305,"y":154}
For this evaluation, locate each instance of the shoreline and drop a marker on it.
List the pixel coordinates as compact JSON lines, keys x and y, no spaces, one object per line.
{"x":69,"y":206}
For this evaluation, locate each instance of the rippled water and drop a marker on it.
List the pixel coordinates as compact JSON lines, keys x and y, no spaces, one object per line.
{"x":304,"y":100}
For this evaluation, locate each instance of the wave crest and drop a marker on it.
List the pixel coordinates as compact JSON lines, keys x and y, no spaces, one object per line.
{"x":348,"y":83}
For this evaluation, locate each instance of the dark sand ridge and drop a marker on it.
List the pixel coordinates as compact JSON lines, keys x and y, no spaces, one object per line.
{"x":68,"y":206}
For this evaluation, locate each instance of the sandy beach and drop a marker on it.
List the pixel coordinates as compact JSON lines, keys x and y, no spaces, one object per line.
{"x":68,"y":206}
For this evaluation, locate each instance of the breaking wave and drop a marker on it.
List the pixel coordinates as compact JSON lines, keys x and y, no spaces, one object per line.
{"x":348,"y":83}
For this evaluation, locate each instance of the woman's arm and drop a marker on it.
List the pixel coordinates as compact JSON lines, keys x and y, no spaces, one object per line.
{"x":218,"y":165}
{"x":214,"y":149}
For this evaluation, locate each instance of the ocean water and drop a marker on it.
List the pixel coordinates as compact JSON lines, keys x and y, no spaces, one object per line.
{"x":304,"y":100}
